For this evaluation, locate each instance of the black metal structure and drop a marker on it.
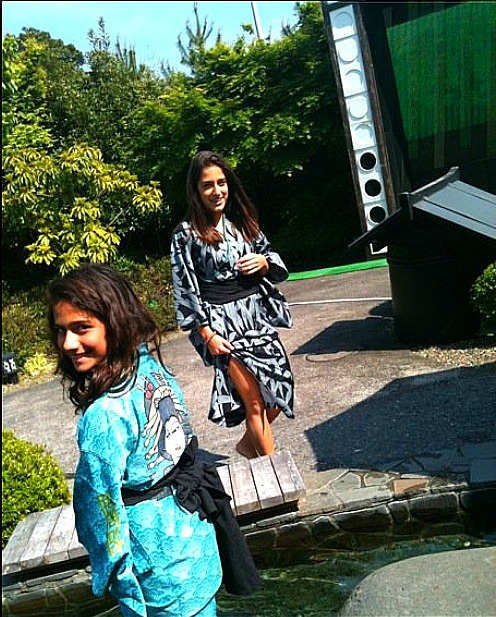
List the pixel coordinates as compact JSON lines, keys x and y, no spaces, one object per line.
{"x":430,"y":130}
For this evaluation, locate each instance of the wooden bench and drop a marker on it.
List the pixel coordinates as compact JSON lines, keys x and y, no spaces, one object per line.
{"x":259,"y":488}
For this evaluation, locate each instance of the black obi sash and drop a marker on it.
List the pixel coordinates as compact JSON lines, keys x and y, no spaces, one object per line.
{"x":221,"y":292}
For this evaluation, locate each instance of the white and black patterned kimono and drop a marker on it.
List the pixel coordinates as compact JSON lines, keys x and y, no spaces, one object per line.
{"x":247,"y":323}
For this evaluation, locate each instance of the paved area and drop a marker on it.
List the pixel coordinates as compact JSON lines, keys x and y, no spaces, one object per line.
{"x":363,"y":400}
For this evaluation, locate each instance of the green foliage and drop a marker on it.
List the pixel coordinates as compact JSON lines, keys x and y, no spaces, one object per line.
{"x":23,"y":94}
{"x":483,"y":296}
{"x":270,"y":107}
{"x":39,"y":364}
{"x":152,"y":283}
{"x":79,"y":206}
{"x":65,"y":206}
{"x":92,"y":106}
{"x":24,"y":325}
{"x":193,"y":53}
{"x":32,"y":481}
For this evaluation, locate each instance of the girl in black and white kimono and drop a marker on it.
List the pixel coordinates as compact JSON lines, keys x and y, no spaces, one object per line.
{"x":223,"y":273}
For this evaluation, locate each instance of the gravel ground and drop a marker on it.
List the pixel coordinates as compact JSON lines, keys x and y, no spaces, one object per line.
{"x":464,"y":353}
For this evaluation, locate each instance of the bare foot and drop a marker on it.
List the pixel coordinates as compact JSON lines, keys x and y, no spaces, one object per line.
{"x":246,"y":448}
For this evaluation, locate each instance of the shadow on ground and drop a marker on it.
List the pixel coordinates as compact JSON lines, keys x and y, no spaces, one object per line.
{"x":373,"y":333}
{"x":410,"y":417}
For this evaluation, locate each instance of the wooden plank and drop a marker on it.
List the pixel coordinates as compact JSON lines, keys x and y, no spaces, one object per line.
{"x":12,"y":553}
{"x":244,"y":490}
{"x":290,"y":480}
{"x":32,"y":555}
{"x":61,"y":537}
{"x":225,"y":478}
{"x":266,"y":483}
{"x":75,"y":548}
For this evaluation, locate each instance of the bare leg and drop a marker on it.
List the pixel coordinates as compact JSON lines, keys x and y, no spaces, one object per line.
{"x":272,"y":413}
{"x":258,"y":438}
{"x":244,"y":446}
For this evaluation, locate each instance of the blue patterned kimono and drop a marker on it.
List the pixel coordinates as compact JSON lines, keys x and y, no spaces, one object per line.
{"x":249,"y":323}
{"x":155,"y":557}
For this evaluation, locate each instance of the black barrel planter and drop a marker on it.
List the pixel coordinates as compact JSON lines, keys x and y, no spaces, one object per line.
{"x":430,"y":287}
{"x":439,"y":240}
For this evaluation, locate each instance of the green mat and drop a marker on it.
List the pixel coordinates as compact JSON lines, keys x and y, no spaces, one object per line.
{"x":312,"y":274}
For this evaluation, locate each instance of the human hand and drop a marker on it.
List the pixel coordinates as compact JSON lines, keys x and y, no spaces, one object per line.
{"x":218,"y":345}
{"x":251,"y":263}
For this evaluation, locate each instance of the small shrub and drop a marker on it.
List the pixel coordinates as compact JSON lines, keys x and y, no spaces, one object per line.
{"x":39,"y":364}
{"x":24,"y":325}
{"x":483,"y":295}
{"x":32,"y":481}
{"x":152,"y":283}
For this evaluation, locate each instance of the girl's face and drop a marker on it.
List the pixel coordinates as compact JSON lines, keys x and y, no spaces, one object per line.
{"x":80,"y":336}
{"x":213,"y":190}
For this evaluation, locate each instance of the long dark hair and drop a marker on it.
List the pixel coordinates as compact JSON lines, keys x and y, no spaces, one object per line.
{"x":105,"y":294}
{"x":241,"y":211}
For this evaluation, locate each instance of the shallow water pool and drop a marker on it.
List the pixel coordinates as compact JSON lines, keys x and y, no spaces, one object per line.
{"x":320,"y":587}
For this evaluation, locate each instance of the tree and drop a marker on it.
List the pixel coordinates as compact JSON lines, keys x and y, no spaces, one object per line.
{"x":24,"y":113}
{"x":115,"y":85}
{"x":76,"y":206}
{"x":272,"y":110}
{"x":193,"y":52}
{"x":62,"y":205}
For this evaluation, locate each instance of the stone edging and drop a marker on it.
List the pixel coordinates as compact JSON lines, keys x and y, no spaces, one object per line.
{"x":355,"y":510}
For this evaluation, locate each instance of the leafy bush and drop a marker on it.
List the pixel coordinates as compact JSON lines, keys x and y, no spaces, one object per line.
{"x":483,"y":295}
{"x":39,"y":364}
{"x":152,"y":282}
{"x":32,"y":481}
{"x":24,"y":327}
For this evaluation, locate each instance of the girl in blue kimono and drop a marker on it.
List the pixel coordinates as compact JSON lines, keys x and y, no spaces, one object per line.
{"x":156,"y":555}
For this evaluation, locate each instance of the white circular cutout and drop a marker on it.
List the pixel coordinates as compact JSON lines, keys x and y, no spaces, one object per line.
{"x":358,"y":107}
{"x":363,"y":134}
{"x":353,"y":81}
{"x":347,"y":50}
{"x":342,"y":24}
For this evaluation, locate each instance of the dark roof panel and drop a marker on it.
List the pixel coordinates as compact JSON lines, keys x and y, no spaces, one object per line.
{"x":462,"y":204}
{"x":447,"y":198}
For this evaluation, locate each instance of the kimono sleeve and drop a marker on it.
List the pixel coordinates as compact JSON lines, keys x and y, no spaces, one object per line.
{"x":189,"y":307}
{"x":277,"y":270}
{"x":101,"y":519}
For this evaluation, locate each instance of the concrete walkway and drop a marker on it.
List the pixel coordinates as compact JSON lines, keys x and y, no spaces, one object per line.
{"x":366,"y":406}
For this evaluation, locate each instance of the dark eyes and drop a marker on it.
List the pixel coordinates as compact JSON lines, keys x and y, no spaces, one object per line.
{"x":79,"y":329}
{"x":209,"y":185}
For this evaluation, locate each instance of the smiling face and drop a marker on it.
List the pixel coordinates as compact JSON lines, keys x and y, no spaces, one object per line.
{"x":213,"y":190}
{"x":80,"y":336}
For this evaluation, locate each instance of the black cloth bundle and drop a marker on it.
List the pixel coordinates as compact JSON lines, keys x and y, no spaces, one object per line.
{"x":198,"y":488}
